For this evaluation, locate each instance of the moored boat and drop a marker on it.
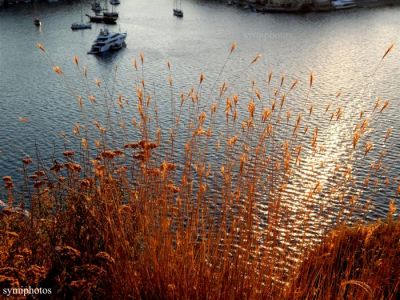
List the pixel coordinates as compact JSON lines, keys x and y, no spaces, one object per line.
{"x":102,"y":19}
{"x":343,"y":4}
{"x":177,"y":11}
{"x":108,"y":41}
{"x":112,"y":14}
{"x":80,"y":26}
{"x":96,"y":7}
{"x":296,"y":7}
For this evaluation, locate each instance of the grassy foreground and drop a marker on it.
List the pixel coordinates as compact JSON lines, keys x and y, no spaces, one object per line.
{"x":352,"y":263}
{"x":154,"y":215}
{"x":88,"y":254}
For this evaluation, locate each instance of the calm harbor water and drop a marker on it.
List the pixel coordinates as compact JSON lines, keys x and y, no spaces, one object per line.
{"x":342,"y":49}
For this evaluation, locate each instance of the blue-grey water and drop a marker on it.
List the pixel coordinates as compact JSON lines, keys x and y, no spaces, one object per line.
{"x":342,"y":49}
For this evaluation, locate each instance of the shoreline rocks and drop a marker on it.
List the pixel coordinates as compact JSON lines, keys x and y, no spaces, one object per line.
{"x":302,"y":6}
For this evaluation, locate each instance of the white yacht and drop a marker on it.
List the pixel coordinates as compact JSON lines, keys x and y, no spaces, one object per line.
{"x":343,"y":4}
{"x":108,"y":41}
{"x":81,"y":25}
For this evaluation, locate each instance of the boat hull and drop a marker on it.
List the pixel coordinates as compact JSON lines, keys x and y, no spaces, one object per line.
{"x":178,"y":13}
{"x":102,"y":19}
{"x":81,"y":26}
{"x":110,"y":14}
{"x":107,"y":50}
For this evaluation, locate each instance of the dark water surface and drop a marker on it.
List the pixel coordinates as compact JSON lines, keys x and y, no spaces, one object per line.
{"x":342,"y":49}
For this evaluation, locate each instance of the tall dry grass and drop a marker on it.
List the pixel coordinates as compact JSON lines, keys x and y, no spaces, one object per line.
{"x":193,"y":211}
{"x":359,"y":262}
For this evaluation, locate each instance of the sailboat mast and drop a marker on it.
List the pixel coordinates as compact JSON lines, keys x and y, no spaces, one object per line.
{"x":81,"y":13}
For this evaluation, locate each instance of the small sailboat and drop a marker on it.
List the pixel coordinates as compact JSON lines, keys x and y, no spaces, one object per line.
{"x":96,"y":7}
{"x":177,"y":10}
{"x":343,"y":4}
{"x":111,"y":13}
{"x":37,"y":22}
{"x":81,"y":25}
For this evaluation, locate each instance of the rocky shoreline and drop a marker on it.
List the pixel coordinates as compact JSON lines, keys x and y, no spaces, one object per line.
{"x":5,"y":3}
{"x":301,"y":6}
{"x":286,"y":6}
